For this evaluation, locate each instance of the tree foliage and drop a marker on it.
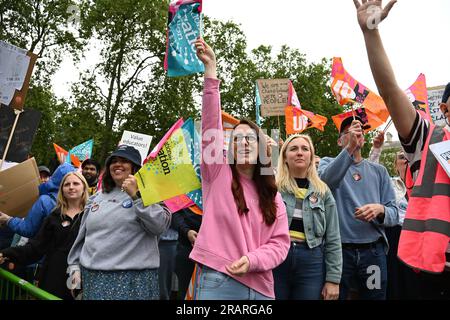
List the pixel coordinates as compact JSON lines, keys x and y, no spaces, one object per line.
{"x":127,"y":87}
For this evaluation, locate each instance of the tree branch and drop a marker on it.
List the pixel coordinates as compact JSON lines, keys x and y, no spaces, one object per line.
{"x":136,"y":72}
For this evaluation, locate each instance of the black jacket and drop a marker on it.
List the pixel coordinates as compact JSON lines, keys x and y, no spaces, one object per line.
{"x":53,"y":241}
{"x":183,"y":221}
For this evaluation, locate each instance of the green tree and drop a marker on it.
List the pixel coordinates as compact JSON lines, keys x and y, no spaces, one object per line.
{"x":42,"y":27}
{"x":131,"y":36}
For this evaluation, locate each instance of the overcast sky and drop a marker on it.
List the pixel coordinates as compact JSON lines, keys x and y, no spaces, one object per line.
{"x":416,"y":35}
{"x":413,"y":33}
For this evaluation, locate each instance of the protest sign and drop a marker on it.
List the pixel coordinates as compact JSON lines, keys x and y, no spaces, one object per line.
{"x":141,"y":142}
{"x":434,"y":101}
{"x":23,"y":135}
{"x":441,"y":151}
{"x":274,"y":95}
{"x":19,"y":188}
{"x":16,"y":67}
{"x":171,"y":173}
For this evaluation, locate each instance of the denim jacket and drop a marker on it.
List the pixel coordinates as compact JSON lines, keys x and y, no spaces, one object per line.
{"x":321,"y":223}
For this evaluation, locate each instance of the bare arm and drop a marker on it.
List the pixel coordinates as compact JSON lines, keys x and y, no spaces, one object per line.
{"x":401,"y":109}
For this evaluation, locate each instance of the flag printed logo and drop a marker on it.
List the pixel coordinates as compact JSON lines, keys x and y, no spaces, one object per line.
{"x":298,"y":120}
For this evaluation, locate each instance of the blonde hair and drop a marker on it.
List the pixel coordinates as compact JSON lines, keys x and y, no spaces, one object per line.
{"x":61,"y":201}
{"x":285,"y":182}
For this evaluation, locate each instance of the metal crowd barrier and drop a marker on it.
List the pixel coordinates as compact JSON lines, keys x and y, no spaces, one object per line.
{"x":14,"y":288}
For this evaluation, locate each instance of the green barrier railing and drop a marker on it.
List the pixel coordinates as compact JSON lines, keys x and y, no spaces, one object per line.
{"x":14,"y":288}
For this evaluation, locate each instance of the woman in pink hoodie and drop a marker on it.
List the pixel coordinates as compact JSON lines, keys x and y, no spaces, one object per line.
{"x":244,"y":233}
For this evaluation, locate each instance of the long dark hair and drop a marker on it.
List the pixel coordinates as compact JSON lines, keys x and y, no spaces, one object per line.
{"x":265,"y":183}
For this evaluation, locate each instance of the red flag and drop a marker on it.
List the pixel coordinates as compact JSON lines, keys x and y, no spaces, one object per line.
{"x":292,"y":97}
{"x":298,"y":120}
{"x":60,"y":153}
{"x":418,"y":95}
{"x":370,"y":120}
{"x":348,"y":90}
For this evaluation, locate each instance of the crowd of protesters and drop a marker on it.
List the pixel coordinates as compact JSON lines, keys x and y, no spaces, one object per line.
{"x":304,"y":230}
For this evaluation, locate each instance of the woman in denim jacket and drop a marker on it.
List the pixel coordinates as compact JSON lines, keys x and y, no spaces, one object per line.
{"x":312,"y":269}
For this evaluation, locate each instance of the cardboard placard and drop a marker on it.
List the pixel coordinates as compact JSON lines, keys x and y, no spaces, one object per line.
{"x":274,"y":96}
{"x":434,"y":101}
{"x":19,"y":188}
{"x":22,"y":139}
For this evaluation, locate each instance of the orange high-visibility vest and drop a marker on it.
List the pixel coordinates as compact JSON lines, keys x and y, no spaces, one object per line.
{"x":426,"y":230}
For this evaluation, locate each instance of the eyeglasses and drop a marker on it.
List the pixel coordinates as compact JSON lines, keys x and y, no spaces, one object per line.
{"x":250,"y":138}
{"x":401,"y":157}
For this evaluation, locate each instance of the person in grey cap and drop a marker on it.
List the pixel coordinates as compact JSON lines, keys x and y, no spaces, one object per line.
{"x":115,"y":256}
{"x":424,"y":241}
{"x":366,"y":205}
{"x":44,"y":173}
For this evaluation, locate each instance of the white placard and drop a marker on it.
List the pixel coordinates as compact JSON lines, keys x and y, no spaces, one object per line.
{"x":13,"y":69}
{"x":139,"y":141}
{"x":441,"y":151}
{"x":434,"y":100}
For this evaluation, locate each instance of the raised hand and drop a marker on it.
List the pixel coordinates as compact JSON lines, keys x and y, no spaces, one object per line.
{"x":207,"y":56}
{"x":371,"y":12}
{"x":378,"y":140}
{"x":356,"y":137}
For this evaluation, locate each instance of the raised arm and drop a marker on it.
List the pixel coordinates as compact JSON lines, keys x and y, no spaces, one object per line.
{"x":212,"y":131}
{"x":403,"y":113}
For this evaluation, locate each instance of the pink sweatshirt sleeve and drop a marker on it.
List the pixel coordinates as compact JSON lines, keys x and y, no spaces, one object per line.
{"x":274,"y":252}
{"x":212,"y":130}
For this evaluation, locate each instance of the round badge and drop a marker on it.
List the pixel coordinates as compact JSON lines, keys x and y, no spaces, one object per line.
{"x":312,"y":199}
{"x":95,"y":207}
{"x":356,"y":176}
{"x":128,"y":203}
{"x":65,"y":223}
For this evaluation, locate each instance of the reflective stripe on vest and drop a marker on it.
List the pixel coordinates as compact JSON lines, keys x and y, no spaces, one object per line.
{"x":426,"y":233}
{"x":428,"y":188}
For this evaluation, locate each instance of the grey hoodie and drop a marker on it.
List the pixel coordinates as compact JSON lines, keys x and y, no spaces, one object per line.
{"x":117,"y":233}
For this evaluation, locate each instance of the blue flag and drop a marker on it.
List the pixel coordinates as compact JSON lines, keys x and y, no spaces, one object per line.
{"x":183,"y":30}
{"x":258,"y":106}
{"x":82,"y":151}
{"x":192,"y":139}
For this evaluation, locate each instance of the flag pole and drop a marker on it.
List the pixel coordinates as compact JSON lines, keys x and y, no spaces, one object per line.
{"x":387,"y":126}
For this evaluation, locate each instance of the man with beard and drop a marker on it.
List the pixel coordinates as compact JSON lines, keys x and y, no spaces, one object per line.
{"x":91,"y":171}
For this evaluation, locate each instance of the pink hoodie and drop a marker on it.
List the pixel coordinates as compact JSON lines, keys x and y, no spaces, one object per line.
{"x":226,"y":236}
